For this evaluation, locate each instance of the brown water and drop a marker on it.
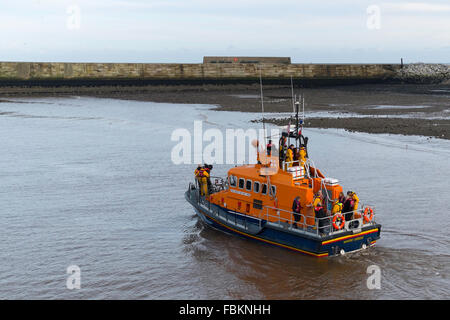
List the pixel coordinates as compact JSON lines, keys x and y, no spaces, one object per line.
{"x":89,"y":182}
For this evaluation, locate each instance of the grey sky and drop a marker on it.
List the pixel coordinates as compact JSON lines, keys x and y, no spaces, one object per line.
{"x":185,"y":31}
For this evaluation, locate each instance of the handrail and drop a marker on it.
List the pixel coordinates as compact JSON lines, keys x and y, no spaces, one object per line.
{"x":296,"y":162}
{"x":326,"y":227}
{"x":217,"y":178}
{"x":287,"y":211}
{"x":316,"y":228}
{"x":218,"y":183}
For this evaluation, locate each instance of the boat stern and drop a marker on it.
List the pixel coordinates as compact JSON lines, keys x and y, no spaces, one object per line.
{"x":351,"y":241}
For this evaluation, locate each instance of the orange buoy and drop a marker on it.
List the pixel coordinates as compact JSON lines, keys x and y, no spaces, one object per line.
{"x":338,"y":224}
{"x":368,"y":214}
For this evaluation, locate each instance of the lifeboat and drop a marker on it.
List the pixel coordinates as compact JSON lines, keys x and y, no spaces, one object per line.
{"x":287,"y":202}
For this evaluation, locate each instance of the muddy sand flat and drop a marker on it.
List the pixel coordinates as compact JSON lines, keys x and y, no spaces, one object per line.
{"x":409,"y":109}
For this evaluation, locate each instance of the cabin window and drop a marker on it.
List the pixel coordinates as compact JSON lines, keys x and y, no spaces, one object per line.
{"x":248,"y":185}
{"x":241,"y":183}
{"x":256,"y":187}
{"x":233,"y":181}
{"x":264,"y":189}
{"x":273,"y":190}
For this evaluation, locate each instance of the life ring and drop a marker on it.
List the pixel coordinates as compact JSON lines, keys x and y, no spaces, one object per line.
{"x":341,"y":224}
{"x":368,"y":214}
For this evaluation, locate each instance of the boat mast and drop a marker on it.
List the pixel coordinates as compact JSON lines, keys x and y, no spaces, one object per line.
{"x":292,"y":95}
{"x":303,"y":113}
{"x":262,"y":106}
{"x":297,"y":104}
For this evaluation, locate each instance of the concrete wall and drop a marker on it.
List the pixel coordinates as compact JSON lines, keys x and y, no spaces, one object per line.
{"x":35,"y":72}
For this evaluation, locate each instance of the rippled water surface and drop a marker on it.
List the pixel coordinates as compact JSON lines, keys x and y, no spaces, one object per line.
{"x":90,"y":182}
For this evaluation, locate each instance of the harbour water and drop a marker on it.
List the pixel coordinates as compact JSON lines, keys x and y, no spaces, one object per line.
{"x":90,"y":182}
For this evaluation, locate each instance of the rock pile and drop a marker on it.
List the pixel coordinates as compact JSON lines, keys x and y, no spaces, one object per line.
{"x":424,"y":73}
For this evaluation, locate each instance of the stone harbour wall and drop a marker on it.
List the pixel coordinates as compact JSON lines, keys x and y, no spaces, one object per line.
{"x":40,"y":72}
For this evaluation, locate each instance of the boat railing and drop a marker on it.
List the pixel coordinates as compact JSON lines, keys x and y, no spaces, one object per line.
{"x":304,"y":223}
{"x":290,"y":164}
{"x":215,"y":184}
{"x":194,"y":191}
{"x":218,"y":184}
{"x":320,"y":226}
{"x":195,"y":194}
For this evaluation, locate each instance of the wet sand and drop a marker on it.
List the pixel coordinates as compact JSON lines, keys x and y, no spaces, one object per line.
{"x":409,"y":109}
{"x":421,"y":127}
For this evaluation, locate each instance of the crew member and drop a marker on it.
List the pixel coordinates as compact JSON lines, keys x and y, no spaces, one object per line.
{"x":317,"y":200}
{"x":197,"y":175}
{"x":296,"y":156}
{"x":282,"y":148}
{"x":320,"y":213}
{"x":342,"y":198}
{"x":302,"y":157}
{"x":204,"y":176}
{"x":290,"y":156}
{"x":350,"y":205}
{"x":208,"y":168}
{"x":337,"y":207}
{"x":355,"y":200}
{"x":269,"y":148}
{"x":347,"y":208}
{"x":296,"y":208}
{"x":200,"y":179}
{"x":255,"y":143}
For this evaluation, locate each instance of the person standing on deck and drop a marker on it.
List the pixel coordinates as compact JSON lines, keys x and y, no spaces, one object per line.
{"x":282,"y":149}
{"x":302,"y":158}
{"x":269,"y":148}
{"x":317,"y":200}
{"x":355,"y":199}
{"x":296,"y":208}
{"x":255,"y":143}
{"x":207,"y":169}
{"x":342,"y":198}
{"x":204,"y":176}
{"x":337,"y":207}
{"x":320,"y":213}
{"x":290,"y":156}
{"x":296,"y":156}
{"x":350,"y":205}
{"x":197,"y":175}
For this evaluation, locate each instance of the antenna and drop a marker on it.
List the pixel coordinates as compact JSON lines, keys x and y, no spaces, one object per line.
{"x":303,"y":104}
{"x":262,"y":105}
{"x":297,"y":107}
{"x":292,"y":94}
